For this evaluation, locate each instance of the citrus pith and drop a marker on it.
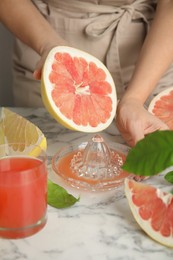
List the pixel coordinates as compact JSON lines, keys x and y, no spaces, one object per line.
{"x":152,"y":209}
{"x":78,"y":90}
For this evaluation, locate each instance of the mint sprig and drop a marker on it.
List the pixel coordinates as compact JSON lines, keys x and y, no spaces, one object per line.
{"x":58,"y":197}
{"x":151,"y":155}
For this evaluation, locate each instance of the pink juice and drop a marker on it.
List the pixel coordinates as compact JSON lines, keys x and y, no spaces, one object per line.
{"x":63,"y":167}
{"x":23,"y":196}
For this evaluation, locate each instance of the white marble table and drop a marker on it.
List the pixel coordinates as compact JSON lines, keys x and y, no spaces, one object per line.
{"x":98,"y":227}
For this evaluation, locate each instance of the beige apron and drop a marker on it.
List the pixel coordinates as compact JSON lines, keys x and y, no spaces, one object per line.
{"x":113,"y":31}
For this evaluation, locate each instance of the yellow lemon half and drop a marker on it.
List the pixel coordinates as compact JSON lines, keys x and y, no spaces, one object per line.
{"x":16,"y":129}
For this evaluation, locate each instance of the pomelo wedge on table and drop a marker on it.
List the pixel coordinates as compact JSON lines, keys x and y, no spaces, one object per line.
{"x":162,"y":106}
{"x":16,"y":129}
{"x":153,"y":210}
{"x":78,"y":90}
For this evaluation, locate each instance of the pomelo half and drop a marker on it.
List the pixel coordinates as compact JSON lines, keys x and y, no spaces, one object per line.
{"x":78,"y":90}
{"x":162,"y":106}
{"x":17,"y":129}
{"x":153,"y":210}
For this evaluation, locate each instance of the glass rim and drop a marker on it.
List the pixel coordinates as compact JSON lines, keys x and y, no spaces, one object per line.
{"x":39,"y":154}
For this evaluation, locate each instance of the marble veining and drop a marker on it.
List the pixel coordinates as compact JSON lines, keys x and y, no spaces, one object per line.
{"x":98,"y":227}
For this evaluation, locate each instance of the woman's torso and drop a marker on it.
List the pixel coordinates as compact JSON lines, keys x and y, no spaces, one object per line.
{"x":103,"y":28}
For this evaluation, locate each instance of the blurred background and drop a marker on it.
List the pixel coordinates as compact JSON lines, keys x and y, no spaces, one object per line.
{"x":6,"y":42}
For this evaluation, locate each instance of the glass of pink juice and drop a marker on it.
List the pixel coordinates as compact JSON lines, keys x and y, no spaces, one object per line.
{"x":23,"y":190}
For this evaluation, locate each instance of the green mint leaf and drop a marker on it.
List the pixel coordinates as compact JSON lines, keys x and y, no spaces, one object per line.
{"x":169,"y":177}
{"x":151,"y":155}
{"x":58,"y":197}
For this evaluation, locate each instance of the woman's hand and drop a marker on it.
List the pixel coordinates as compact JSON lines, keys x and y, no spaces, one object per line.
{"x":39,"y":66}
{"x":134,"y":121}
